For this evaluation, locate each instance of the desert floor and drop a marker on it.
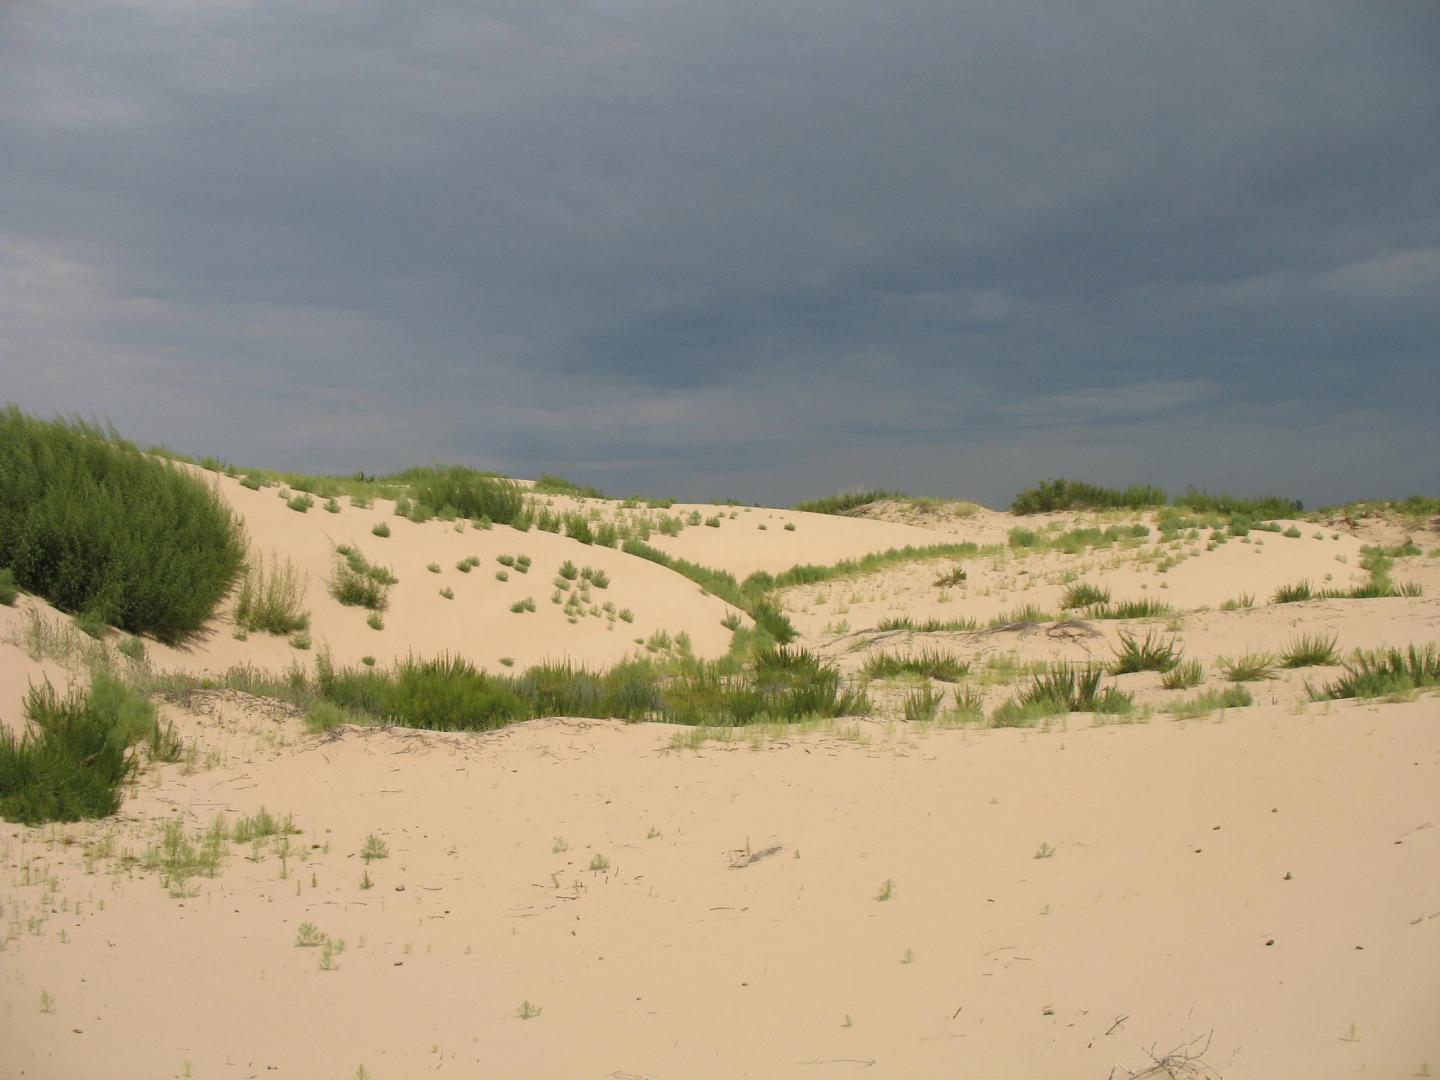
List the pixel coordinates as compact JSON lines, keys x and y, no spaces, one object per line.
{"x":1252,"y":891}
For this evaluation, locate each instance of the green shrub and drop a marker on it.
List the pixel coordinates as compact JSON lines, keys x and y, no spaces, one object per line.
{"x":1308,"y":651}
{"x":1293,"y":594}
{"x":380,"y":529}
{"x":8,"y":589}
{"x":1083,"y":595}
{"x":271,"y":603}
{"x":1383,"y":672}
{"x":549,"y":484}
{"x":1051,"y":495}
{"x":359,"y":583}
{"x":1263,"y":508}
{"x":465,"y":491}
{"x":846,"y":501}
{"x":74,"y":756}
{"x":928,"y":663}
{"x":1252,"y":667}
{"x":1208,"y":701}
{"x":300,"y":503}
{"x":922,"y":706}
{"x":91,"y":524}
{"x":1152,"y":654}
{"x":1184,"y":676}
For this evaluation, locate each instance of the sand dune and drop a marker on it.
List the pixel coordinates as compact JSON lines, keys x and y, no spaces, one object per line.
{"x":1257,"y":888}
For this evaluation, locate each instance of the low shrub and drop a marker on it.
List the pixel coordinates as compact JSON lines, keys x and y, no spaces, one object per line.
{"x":75,"y":755}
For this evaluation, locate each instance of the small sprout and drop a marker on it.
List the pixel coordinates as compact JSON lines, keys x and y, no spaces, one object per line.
{"x":374,"y":849}
{"x":887,"y":890}
{"x":527,"y":1011}
{"x":599,"y":863}
{"x":1044,"y":851}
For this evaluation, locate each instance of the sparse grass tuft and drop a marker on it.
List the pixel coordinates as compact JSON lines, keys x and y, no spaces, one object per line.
{"x":1385,"y":672}
{"x":932,"y":664}
{"x":1152,"y":654}
{"x":380,"y":529}
{"x":271,"y":602}
{"x":1252,"y":667}
{"x":1208,"y":701}
{"x":1293,"y":594}
{"x":1184,"y":676}
{"x":1083,"y":595}
{"x":922,"y":706}
{"x":360,"y":583}
{"x":300,"y":503}
{"x":1308,"y":651}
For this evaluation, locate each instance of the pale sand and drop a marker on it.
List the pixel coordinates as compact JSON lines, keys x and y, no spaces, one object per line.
{"x":1150,"y":925}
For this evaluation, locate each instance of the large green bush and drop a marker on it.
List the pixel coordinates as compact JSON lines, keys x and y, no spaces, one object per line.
{"x":95,"y":526}
{"x":75,"y":757}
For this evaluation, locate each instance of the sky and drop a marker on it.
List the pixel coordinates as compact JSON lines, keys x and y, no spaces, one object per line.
{"x":744,"y":250}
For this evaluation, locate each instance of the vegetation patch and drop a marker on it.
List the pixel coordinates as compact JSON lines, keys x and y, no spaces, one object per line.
{"x":93,"y":525}
{"x":928,"y":663}
{"x":75,"y":755}
{"x":271,"y":602}
{"x":1385,"y":672}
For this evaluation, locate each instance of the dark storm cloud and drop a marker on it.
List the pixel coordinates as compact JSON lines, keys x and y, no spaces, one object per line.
{"x":737,"y":249}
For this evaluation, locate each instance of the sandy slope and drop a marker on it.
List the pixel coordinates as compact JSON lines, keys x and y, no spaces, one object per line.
{"x":736,"y":930}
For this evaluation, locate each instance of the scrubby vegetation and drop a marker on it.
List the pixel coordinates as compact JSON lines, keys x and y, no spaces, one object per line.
{"x":927,"y":663}
{"x":464,"y":492}
{"x":358,"y":582}
{"x":1051,"y":495}
{"x":1385,"y":672}
{"x":549,"y":484}
{"x":271,"y":602}
{"x":1063,"y":688}
{"x":448,"y":693}
{"x":77,"y":752}
{"x":95,"y":526}
{"x":846,"y":501}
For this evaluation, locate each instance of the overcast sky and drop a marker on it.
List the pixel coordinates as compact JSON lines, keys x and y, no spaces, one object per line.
{"x":751,"y":250}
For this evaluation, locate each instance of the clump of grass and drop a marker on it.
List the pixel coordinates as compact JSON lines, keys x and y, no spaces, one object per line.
{"x":1144,"y":608}
{"x":465,"y":492}
{"x":374,"y":621}
{"x":359,"y":583}
{"x":522,"y":564}
{"x":1385,"y":672}
{"x":1293,"y":594}
{"x":90,"y":523}
{"x":374,"y":848}
{"x":1310,"y":651}
{"x":846,"y":502}
{"x":1208,"y":701}
{"x":969,"y":704}
{"x":332,"y":506}
{"x":74,"y":757}
{"x":132,"y":649}
{"x":521,"y":606}
{"x":955,"y":576}
{"x":448,"y":593}
{"x":1152,"y":654}
{"x":262,"y":825}
{"x":300,"y":503}
{"x":1051,"y":495}
{"x":433,"y":567}
{"x":1021,"y":537}
{"x":1184,"y":676}
{"x":1252,"y":667}
{"x":271,"y":602}
{"x":568,"y":570}
{"x":931,"y":664}
{"x":1244,"y":600}
{"x":549,"y":484}
{"x":1084,"y":595}
{"x":380,"y":529}
{"x":1025,"y":615}
{"x":927,"y":626}
{"x":922,"y":706}
{"x":1060,"y":689}
{"x":324,"y":715}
